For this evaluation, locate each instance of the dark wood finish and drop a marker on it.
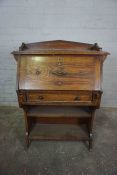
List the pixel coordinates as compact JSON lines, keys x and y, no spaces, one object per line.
{"x":59,"y":96}
{"x":59,"y":132}
{"x":58,"y":111}
{"x":59,"y":88}
{"x":59,"y":73}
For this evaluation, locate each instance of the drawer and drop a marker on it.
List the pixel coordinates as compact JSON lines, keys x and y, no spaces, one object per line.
{"x":59,"y":96}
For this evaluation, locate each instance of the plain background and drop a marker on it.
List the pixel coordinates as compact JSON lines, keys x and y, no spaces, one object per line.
{"x":38,"y":20}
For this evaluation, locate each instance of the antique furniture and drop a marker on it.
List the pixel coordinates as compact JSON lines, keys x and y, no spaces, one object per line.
{"x":59,"y":88}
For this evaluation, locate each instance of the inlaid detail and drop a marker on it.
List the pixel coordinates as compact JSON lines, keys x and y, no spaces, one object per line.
{"x":59,"y":73}
{"x":44,"y":71}
{"x":59,"y":83}
{"x":65,"y":71}
{"x":37,"y":72}
{"x":60,"y":59}
{"x":59,"y":63}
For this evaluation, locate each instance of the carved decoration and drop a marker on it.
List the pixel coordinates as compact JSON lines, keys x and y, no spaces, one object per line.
{"x":23,"y":47}
{"x":95,"y":47}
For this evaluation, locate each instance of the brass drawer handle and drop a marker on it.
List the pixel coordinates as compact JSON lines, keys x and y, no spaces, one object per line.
{"x":77,"y":98}
{"x":40,"y":97}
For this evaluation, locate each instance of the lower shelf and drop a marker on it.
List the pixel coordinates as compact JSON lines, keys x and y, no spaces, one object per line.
{"x":59,"y":132}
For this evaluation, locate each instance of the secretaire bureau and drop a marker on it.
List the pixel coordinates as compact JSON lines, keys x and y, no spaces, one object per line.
{"x":59,"y":89}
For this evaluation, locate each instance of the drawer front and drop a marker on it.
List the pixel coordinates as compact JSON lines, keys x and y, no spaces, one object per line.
{"x":59,"y":97}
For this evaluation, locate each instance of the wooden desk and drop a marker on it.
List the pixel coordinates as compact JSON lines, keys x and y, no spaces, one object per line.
{"x":59,"y":88}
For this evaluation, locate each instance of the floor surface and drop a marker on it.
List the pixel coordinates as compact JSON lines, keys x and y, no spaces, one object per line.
{"x":57,"y":157}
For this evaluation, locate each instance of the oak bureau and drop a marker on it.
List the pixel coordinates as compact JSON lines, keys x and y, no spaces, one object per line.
{"x":59,"y":89}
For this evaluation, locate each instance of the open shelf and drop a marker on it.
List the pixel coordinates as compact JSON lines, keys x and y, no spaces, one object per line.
{"x":58,"y":111}
{"x":58,"y":122}
{"x":59,"y":132}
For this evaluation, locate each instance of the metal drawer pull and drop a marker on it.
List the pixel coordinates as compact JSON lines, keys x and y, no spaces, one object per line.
{"x":77,"y":99}
{"x":40,"y":97}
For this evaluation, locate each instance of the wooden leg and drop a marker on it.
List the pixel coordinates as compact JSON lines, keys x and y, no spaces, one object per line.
{"x":27,"y":140}
{"x":90,"y":127}
{"x":90,"y":141}
{"x":27,"y":127}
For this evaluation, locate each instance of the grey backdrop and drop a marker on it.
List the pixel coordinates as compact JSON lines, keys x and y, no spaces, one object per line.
{"x":78,"y":20}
